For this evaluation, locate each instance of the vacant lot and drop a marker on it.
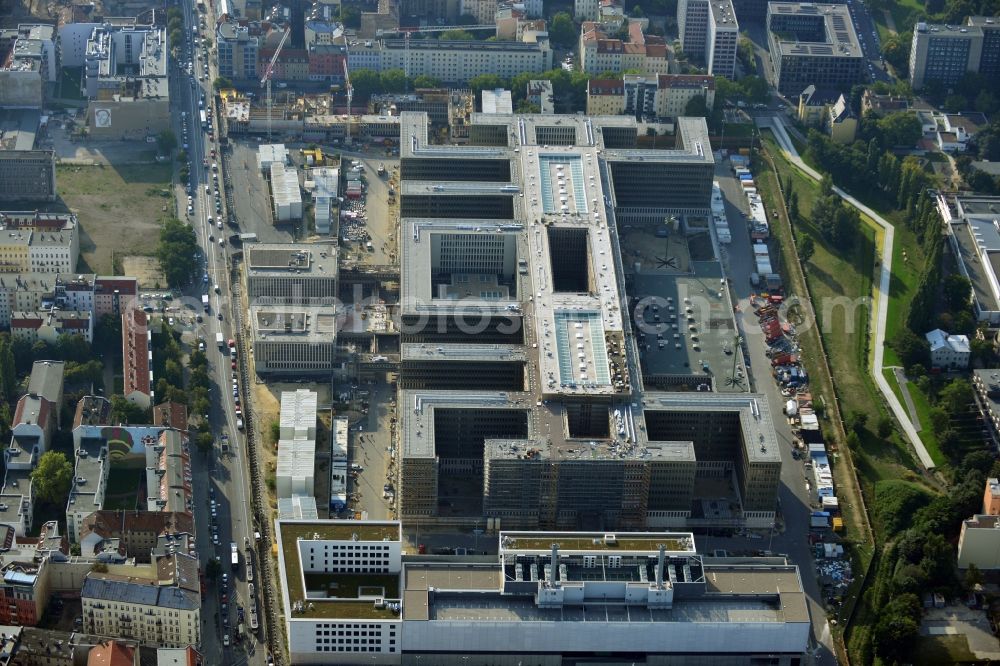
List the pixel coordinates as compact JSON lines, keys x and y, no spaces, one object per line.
{"x":120,"y":210}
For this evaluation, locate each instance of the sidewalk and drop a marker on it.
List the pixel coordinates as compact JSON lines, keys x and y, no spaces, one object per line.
{"x":777,"y":125}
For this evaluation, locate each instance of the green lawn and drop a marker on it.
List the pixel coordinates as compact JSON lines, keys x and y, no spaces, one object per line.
{"x":934,"y":650}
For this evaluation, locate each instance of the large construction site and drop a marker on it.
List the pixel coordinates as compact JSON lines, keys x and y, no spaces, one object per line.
{"x":568,"y":354}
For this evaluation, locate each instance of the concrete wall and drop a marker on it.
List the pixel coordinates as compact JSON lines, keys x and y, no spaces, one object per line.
{"x":21,"y":89}
{"x":130,"y":120}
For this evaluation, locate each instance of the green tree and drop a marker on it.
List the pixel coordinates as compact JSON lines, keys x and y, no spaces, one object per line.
{"x":8,"y":371}
{"x":897,"y":629}
{"x":350,"y":16}
{"x":204,"y":441}
{"x":366,"y":82}
{"x":457,"y":35}
{"x":424,"y":81}
{"x":900,"y":128}
{"x":126,"y":411}
{"x":485,"y":82}
{"x":696,"y":107}
{"x":956,"y":397}
{"x":166,"y":141}
{"x":911,"y":348}
{"x":957,"y":291}
{"x":221,"y":83}
{"x":807,"y":248}
{"x":562,"y":30}
{"x":177,"y":252}
{"x":51,"y":479}
{"x":393,"y":80}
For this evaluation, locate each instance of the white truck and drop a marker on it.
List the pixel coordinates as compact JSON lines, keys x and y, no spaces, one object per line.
{"x":220,"y":341}
{"x":204,"y":301}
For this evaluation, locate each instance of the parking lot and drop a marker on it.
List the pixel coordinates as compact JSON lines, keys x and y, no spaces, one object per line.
{"x":251,"y":198}
{"x":373,"y":218}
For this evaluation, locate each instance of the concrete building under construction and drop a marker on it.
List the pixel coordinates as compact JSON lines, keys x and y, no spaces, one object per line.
{"x":521,"y":395}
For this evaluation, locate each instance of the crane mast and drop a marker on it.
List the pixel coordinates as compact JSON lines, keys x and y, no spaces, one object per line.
{"x":265,"y":80}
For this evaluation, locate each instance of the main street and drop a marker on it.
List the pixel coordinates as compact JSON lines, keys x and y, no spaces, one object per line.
{"x":222,"y":477}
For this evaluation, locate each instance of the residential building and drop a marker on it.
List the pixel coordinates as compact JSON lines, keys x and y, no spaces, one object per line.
{"x":29,"y":62}
{"x":948,"y":352}
{"x":541,"y":95}
{"x":25,"y":574}
{"x":171,"y":415}
{"x":813,"y":44}
{"x":26,"y":249}
{"x":84,"y":292}
{"x":27,"y":175}
{"x":649,"y":98}
{"x":404,"y":608}
{"x":945,"y":53}
{"x":882,"y":104}
{"x":484,"y":11}
{"x":600,"y":52}
{"x":126,"y":81}
{"x":289,"y":272}
{"x":295,"y":472}
{"x":137,"y":358}
{"x":605,"y":97}
{"x":49,"y":325}
{"x":459,"y":61}
{"x":296,"y":339}
{"x":132,"y":534}
{"x":112,"y":653}
{"x":586,"y":10}
{"x":497,"y":101}
{"x":36,"y":416}
{"x":513,"y":22}
{"x":709,"y":34}
{"x":987,"y":385}
{"x":843,"y":122}
{"x":953,"y":131}
{"x":237,"y":51}
{"x":829,"y":111}
{"x":161,"y":609}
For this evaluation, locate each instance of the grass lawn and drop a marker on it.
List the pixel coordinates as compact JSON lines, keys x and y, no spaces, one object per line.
{"x":907,"y":261}
{"x":120,"y":210}
{"x":943,"y":650}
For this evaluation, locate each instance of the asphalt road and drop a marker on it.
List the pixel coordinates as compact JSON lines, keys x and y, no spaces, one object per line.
{"x":217,"y":477}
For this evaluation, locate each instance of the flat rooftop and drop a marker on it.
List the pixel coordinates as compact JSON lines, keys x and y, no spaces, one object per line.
{"x":290,"y":532}
{"x":624,"y":542}
{"x":839,"y":38}
{"x":301,"y":261}
{"x":293,"y":323}
{"x":979,"y":251}
{"x":417,"y":421}
{"x":420,"y":351}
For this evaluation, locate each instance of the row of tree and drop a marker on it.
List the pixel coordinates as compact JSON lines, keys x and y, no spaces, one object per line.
{"x":177,"y":252}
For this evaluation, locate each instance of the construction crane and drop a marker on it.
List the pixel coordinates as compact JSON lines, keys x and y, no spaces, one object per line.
{"x":265,"y":81}
{"x":349,"y":87}
{"x":406,"y":32}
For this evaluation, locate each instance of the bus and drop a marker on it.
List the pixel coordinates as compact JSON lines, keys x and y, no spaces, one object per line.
{"x":204,"y":119}
{"x":235,"y":553}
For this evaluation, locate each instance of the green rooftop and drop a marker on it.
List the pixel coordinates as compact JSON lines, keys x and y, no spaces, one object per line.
{"x":348,"y":583}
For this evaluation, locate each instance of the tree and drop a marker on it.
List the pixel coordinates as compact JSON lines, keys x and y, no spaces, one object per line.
{"x":466,"y":19}
{"x":393,"y":80}
{"x":8,"y":371}
{"x":457,"y":35}
{"x":204,"y":441}
{"x":884,"y":427}
{"x":126,"y":411}
{"x":900,"y":128}
{"x":562,"y":30}
{"x":51,"y":479}
{"x":807,"y":248}
{"x":350,"y":17}
{"x":793,"y":214}
{"x":957,"y":290}
{"x":485,"y":82}
{"x":956,"y":396}
{"x":177,"y":252}
{"x":366,"y":82}
{"x":897,"y":629}
{"x":222,"y":82}
{"x":166,"y":141}
{"x":910,"y":348}
{"x":696,"y":107}
{"x":424,"y":81}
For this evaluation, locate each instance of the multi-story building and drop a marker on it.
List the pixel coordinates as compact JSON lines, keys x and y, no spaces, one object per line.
{"x":987,"y":385}
{"x":27,"y":175}
{"x":126,"y":81}
{"x":132,"y":534}
{"x":709,"y":34}
{"x":540,"y":94}
{"x":295,"y":474}
{"x":513,"y":23}
{"x":49,"y":325}
{"x":649,"y":98}
{"x":99,"y":295}
{"x":293,"y":339}
{"x":38,"y":242}
{"x":292,"y":273}
{"x":25,"y":575}
{"x":600,"y":52}
{"x":137,"y":358}
{"x":948,"y":352}
{"x":484,"y":11}
{"x":237,"y":49}
{"x":813,"y":44}
{"x":161,"y":609}
{"x":605,"y":97}
{"x":979,"y":541}
{"x":29,"y":61}
{"x":945,"y":53}
{"x":36,"y":416}
{"x":459,"y":61}
{"x":975,"y":241}
{"x":681,"y":606}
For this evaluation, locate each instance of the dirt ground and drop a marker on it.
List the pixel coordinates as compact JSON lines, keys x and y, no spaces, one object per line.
{"x":145,"y":269}
{"x":119,"y":209}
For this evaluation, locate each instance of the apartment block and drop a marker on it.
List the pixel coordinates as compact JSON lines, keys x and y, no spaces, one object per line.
{"x":813,"y":44}
{"x":137,"y":358}
{"x":650,"y":98}
{"x":48,"y":325}
{"x":65,"y":291}
{"x":445,"y":611}
{"x":541,"y":95}
{"x":42,"y":243}
{"x":237,"y":51}
{"x":709,"y":34}
{"x":293,"y":339}
{"x":290,"y":272}
{"x":484,"y":11}
{"x":600,"y":52}
{"x":29,"y":61}
{"x":945,"y":53}
{"x":161,"y":609}
{"x":126,"y":80}
{"x":605,"y":97}
{"x":459,"y":61}
{"x":25,"y":575}
{"x":36,"y":416}
{"x":27,"y":175}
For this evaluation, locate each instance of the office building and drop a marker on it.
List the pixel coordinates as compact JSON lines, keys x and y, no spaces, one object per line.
{"x":326,"y":184}
{"x":126,"y":81}
{"x":29,"y":62}
{"x":459,"y":61}
{"x":293,"y":339}
{"x":601,"y":52}
{"x":709,"y":34}
{"x":161,"y":608}
{"x":279,"y":272}
{"x":975,"y":243}
{"x":813,"y":44}
{"x":986,"y":382}
{"x":137,"y":358}
{"x":945,"y":53}
{"x":979,"y":540}
{"x":237,"y":49}
{"x":27,"y":175}
{"x":618,"y":594}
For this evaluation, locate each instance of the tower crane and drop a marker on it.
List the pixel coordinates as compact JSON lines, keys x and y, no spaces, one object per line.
{"x":406,"y":32}
{"x":265,"y":80}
